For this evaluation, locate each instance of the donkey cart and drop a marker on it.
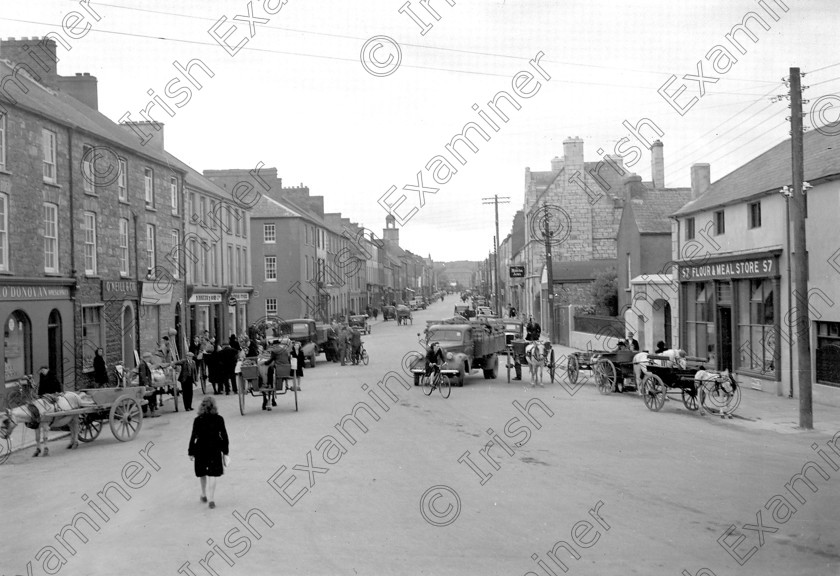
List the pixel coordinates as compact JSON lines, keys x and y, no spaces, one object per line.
{"x":611,"y":369}
{"x":254,"y":381}
{"x":121,"y":407}
{"x":721,"y":394}
{"x":517,"y":358}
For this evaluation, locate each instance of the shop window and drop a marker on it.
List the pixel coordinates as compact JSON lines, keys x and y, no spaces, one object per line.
{"x":828,"y":353}
{"x":755,"y":215}
{"x":756,"y":325}
{"x":700,"y":321}
{"x":720,"y":223}
{"x":91,"y":334}
{"x":18,"y":346}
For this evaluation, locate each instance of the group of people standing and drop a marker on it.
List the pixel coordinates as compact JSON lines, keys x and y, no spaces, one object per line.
{"x":344,"y":344}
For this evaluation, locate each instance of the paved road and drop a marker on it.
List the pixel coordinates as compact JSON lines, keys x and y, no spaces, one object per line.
{"x":627,"y":490}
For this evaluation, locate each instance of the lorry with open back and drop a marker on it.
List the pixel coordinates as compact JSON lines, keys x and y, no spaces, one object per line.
{"x":467,"y":346}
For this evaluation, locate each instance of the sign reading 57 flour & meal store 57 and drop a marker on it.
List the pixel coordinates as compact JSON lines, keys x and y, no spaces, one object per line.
{"x":765,"y":266}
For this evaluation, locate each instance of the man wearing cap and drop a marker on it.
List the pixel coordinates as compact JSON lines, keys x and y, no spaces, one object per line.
{"x":187,"y":377}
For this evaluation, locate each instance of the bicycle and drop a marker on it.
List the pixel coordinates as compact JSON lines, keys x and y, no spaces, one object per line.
{"x":364,"y":355}
{"x":436,"y":380}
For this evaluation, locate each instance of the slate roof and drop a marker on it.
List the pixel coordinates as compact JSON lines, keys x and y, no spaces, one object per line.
{"x":66,"y":110}
{"x":768,"y":172}
{"x":652,"y":211}
{"x":197,"y":180}
{"x":579,"y":271}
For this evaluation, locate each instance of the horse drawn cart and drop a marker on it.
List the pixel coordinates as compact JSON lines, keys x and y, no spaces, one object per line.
{"x":517,"y":357}
{"x":720,"y":393}
{"x":254,"y":380}
{"x":120,"y":406}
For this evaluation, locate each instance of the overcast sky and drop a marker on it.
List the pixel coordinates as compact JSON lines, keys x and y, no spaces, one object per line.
{"x":297,"y":97}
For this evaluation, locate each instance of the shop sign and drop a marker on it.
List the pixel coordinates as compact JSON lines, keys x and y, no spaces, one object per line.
{"x":119,"y":290}
{"x":156,"y":293}
{"x":205,"y":298}
{"x":34,"y":292}
{"x":241,"y":296}
{"x":761,"y":267}
{"x":517,"y":271}
{"x":231,"y":301}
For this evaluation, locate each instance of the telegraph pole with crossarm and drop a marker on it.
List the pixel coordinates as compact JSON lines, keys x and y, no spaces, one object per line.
{"x":496,"y":201}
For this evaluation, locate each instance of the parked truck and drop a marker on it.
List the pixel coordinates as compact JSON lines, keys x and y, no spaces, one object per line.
{"x":314,"y":337}
{"x":467,"y":346}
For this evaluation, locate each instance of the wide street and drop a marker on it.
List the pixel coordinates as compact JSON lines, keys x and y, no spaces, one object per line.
{"x":629,"y":490}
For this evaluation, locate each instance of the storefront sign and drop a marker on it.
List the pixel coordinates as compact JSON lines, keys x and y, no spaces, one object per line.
{"x":517,"y":271}
{"x":205,"y":298}
{"x":34,"y":292}
{"x":156,"y":293}
{"x":231,"y":301}
{"x":762,"y":267}
{"x":241,"y":296}
{"x":119,"y":290}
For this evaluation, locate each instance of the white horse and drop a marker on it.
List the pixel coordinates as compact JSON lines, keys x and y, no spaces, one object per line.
{"x":31,"y":415}
{"x":536,"y":354}
{"x":704,"y":379}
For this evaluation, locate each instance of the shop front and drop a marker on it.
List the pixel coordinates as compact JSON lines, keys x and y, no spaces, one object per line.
{"x":237,"y":309}
{"x":730,"y":313}
{"x":38,"y":330}
{"x":120,"y":298}
{"x":205,"y":314}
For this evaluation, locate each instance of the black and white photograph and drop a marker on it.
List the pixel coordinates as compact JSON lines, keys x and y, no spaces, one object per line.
{"x":420,"y":287}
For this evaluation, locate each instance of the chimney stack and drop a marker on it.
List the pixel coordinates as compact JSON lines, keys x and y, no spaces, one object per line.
{"x":82,"y":87}
{"x":35,"y":55}
{"x":633,"y":188}
{"x":657,"y":165}
{"x":556,"y":164}
{"x":573,"y":155}
{"x":701,"y":179}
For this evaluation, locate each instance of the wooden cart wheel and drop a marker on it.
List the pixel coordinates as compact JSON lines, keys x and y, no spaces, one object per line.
{"x":572,"y":369}
{"x":126,"y":418}
{"x":605,"y":375}
{"x":241,"y":387}
{"x":89,"y":427}
{"x":653,"y":392}
{"x":551,"y":367}
{"x":689,"y":398}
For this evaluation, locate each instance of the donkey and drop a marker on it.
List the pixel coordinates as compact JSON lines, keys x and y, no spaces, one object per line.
{"x":536,"y":353}
{"x":30,"y":415}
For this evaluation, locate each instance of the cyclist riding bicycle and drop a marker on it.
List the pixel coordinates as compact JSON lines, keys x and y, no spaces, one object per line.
{"x":434,"y":358}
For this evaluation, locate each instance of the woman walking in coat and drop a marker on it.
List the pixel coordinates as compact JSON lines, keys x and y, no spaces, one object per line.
{"x":100,"y":370}
{"x":297,"y":359}
{"x":208,"y":448}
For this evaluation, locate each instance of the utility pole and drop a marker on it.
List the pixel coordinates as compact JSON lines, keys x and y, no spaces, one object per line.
{"x":802,"y":323}
{"x":496,"y":200}
{"x":548,"y":266}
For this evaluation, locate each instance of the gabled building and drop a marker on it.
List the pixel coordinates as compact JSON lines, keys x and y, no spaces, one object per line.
{"x":582,"y":202}
{"x":731,"y":251}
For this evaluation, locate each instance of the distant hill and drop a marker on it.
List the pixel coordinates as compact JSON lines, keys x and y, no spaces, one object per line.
{"x":462,"y":271}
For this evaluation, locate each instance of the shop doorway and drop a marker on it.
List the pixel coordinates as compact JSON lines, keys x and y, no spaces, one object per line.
{"x":128,"y":347}
{"x":54,"y":348}
{"x":725,"y":338}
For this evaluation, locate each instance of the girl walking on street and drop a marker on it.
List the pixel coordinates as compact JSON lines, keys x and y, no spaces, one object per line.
{"x":208,"y":448}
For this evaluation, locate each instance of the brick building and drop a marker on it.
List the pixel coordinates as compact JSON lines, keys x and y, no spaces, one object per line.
{"x":87,"y":216}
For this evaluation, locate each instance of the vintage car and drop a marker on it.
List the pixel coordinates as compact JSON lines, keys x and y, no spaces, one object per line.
{"x":389,"y":312}
{"x":484,"y":311}
{"x":360,"y":321}
{"x":464,"y":310}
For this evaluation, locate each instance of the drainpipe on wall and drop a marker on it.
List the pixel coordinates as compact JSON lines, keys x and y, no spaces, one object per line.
{"x":77,"y":349}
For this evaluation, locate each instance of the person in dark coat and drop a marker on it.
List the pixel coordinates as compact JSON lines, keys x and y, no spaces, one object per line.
{"x":298,"y":356}
{"x":187,"y":378}
{"x":48,"y":382}
{"x":355,"y":345}
{"x":234,"y":343}
{"x":228,"y":357}
{"x":209,"y":448}
{"x":253,"y":348}
{"x":100,"y":370}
